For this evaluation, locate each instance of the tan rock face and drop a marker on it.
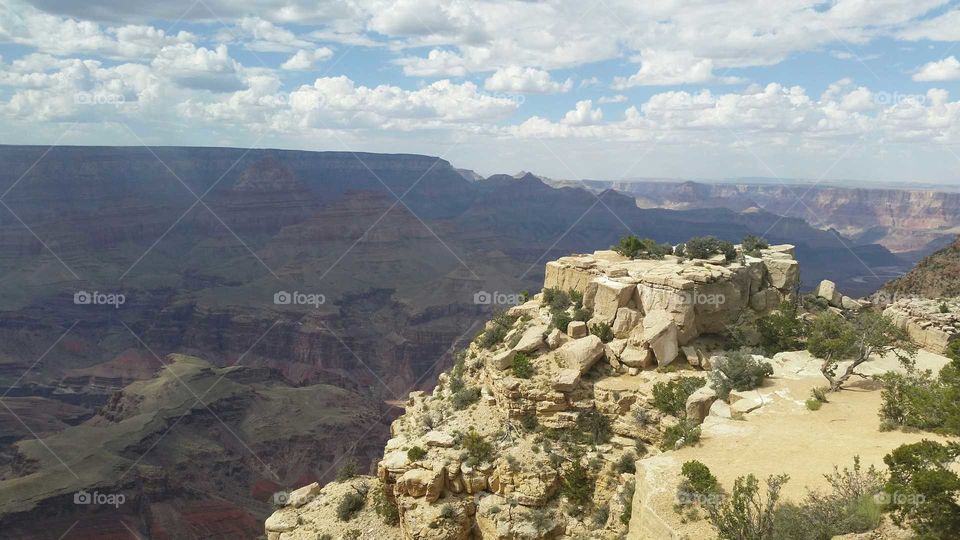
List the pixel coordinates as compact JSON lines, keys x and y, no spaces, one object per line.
{"x":610,"y":296}
{"x":626,"y":320}
{"x":577,"y":329}
{"x":581,"y":354}
{"x":924,"y":321}
{"x":660,"y":333}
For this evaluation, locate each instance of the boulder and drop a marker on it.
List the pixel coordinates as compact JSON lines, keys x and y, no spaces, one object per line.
{"x":566,"y":380}
{"x":280,"y":522}
{"x":627,"y":319}
{"x":611,"y":295}
{"x":765,"y":300}
{"x":828,"y":291}
{"x":581,"y":354}
{"x":421,"y":483}
{"x":438,"y":439}
{"x":720,"y":409}
{"x":531,"y":340}
{"x":699,"y":403}
{"x":783,"y":273}
{"x":501,"y":360}
{"x":634,"y":357}
{"x":660,"y":332}
{"x":556,"y":338}
{"x":577,"y":329}
{"x":849,"y":303}
{"x":303,"y":495}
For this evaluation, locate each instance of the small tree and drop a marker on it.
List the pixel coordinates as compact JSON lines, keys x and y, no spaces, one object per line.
{"x":745,"y":515}
{"x":923,"y":491}
{"x":781,"y":330}
{"x":521,"y":366}
{"x":738,"y":370}
{"x":752,"y":244}
{"x":835,"y":339}
{"x":635,"y":248}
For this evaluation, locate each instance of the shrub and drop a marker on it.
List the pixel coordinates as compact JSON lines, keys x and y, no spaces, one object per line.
{"x":602,"y":331}
{"x":350,"y":504}
{"x":739,"y":371}
{"x":923,"y":491}
{"x":836,"y":339}
{"x":781,"y":330}
{"x":465,"y":397}
{"x":752,"y":245}
{"x":684,"y":433}
{"x":348,"y":470}
{"x":386,"y":508}
{"x":447,"y":512}
{"x":627,"y":463}
{"x":705,"y":247}
{"x":556,"y":299}
{"x":528,"y":421}
{"x":521,"y":366}
{"x":944,"y":308}
{"x":456,"y":374}
{"x":576,"y":485}
{"x":814,"y":404}
{"x":635,"y":248}
{"x":582,"y":315}
{"x":560,"y":320}
{"x":541,"y":520}
{"x":746,"y":514}
{"x":594,"y":427}
{"x":497,"y":330}
{"x":920,"y":400}
{"x":352,"y":534}
{"x":478,"y":449}
{"x":698,"y":483}
{"x":416,"y":453}
{"x":626,"y":501}
{"x":671,"y":397}
{"x":601,"y":515}
{"x":819,"y":393}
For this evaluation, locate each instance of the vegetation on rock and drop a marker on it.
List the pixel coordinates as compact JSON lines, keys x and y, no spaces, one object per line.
{"x":670,"y":397}
{"x":521,"y":366}
{"x":782,"y":330}
{"x":603,"y":331}
{"x":704,"y":247}
{"x":923,"y":491}
{"x":738,"y":370}
{"x":635,"y":248}
{"x":751,"y":245}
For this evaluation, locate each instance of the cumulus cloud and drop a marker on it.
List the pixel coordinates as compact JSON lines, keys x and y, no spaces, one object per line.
{"x":619,"y":98}
{"x":662,"y":68}
{"x":199,"y":68}
{"x":947,"y":69}
{"x":304,"y":59}
{"x":525,"y":80}
{"x":583,"y":115}
{"x":438,"y":63}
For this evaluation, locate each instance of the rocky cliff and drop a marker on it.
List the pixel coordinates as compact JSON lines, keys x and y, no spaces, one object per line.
{"x":937,"y":275}
{"x":499,"y":447}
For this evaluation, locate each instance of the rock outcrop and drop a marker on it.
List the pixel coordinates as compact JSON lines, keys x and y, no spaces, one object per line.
{"x":932,"y":324}
{"x":496,"y":449}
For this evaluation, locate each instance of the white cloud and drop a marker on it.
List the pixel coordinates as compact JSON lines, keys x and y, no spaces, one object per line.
{"x":304,"y":59}
{"x":438,"y":63}
{"x":199,"y":68}
{"x":947,"y":69}
{"x":619,"y":98}
{"x":661,"y":68}
{"x":525,"y":80}
{"x":583,"y":115}
{"x":946,"y":27}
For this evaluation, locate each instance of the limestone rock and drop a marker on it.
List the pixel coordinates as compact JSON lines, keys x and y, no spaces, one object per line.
{"x":303,"y":495}
{"x":610,"y":296}
{"x":766,"y":300}
{"x":634,"y":357}
{"x":438,"y":439}
{"x":502,"y":360}
{"x":660,"y":332}
{"x":556,"y":338}
{"x":699,"y":403}
{"x":531,"y":340}
{"x":577,"y":329}
{"x":783,"y":273}
{"x":282,"y":522}
{"x":581,"y":354}
{"x":849,"y":303}
{"x":627,"y":319}
{"x":720,"y":409}
{"x":421,"y":483}
{"x":828,"y":291}
{"x":566,"y":380}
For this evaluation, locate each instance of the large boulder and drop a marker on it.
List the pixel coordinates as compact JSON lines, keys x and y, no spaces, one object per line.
{"x":783,"y":273}
{"x":566,"y":380}
{"x":828,"y":291}
{"x":581,"y":354}
{"x":302,"y":496}
{"x":531,"y":340}
{"x":699,"y":403}
{"x":610,"y":296}
{"x":421,"y":483}
{"x":660,"y":333}
{"x":637,"y":357}
{"x":577,"y":329}
{"x":627,"y":319}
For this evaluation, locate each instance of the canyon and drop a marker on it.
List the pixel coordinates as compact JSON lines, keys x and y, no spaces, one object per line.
{"x":393,"y":250}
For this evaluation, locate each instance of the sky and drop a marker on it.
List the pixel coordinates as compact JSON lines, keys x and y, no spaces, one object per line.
{"x":602,"y":89}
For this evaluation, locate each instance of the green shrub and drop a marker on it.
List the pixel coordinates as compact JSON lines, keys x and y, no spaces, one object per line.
{"x":944,"y":308}
{"x":918,"y":399}
{"x":541,"y":519}
{"x":671,"y":397}
{"x":594,"y":427}
{"x":576,"y":298}
{"x":752,"y":245}
{"x":635,"y":248}
{"x":705,"y":247}
{"x":521,"y":366}
{"x":739,"y":371}
{"x":447,"y":512}
{"x":602,"y":331}
{"x":684,"y":433}
{"x":348,"y":470}
{"x":576,"y":485}
{"x":814,"y":404}
{"x":497,"y":330}
{"x":560,"y":320}
{"x":781,"y":330}
{"x":416,"y":453}
{"x":819,"y":393}
{"x":386,"y":508}
{"x":627,"y":463}
{"x":456,"y":374}
{"x":601,"y":515}
{"x":581,"y":314}
{"x":350,"y":504}
{"x":746,"y":514}
{"x":528,"y":421}
{"x":352,"y":534}
{"x":698,"y":484}
{"x":465,"y":397}
{"x":478,"y":449}
{"x":923,"y":491}
{"x":556,"y":299}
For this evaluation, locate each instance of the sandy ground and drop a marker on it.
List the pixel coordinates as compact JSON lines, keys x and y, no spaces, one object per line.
{"x":782,"y":436}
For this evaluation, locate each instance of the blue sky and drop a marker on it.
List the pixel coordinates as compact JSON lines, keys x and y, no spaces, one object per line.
{"x":820,"y":90}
